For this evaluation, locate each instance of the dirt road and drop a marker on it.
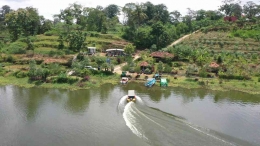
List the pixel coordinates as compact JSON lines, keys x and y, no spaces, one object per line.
{"x":118,"y":68}
{"x":182,"y":38}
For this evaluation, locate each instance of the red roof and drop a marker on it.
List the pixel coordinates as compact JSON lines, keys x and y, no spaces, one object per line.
{"x":214,"y":65}
{"x":162,"y":54}
{"x":230,"y":18}
{"x":144,"y":63}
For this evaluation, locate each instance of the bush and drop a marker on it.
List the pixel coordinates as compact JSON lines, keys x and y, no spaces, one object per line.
{"x":2,"y":71}
{"x":17,"y":48}
{"x":233,"y":76}
{"x":258,"y":79}
{"x":20,"y":74}
{"x":10,"y":59}
{"x":203,"y":73}
{"x":86,"y":78}
{"x":126,"y":68}
{"x":25,"y":39}
{"x":131,"y":69}
{"x":147,"y":71}
{"x":167,"y":69}
{"x":94,"y":34}
{"x":50,"y":33}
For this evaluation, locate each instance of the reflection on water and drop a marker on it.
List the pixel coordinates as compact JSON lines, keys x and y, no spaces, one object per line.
{"x":39,"y":116}
{"x":77,"y":102}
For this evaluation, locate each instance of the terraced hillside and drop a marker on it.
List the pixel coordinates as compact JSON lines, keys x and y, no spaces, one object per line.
{"x":222,"y":41}
{"x":44,"y":43}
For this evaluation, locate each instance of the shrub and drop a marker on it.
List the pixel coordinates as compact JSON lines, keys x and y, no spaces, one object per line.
{"x":131,"y":69}
{"x":86,"y":78}
{"x":259,"y":79}
{"x":50,"y":33}
{"x":10,"y":59}
{"x":203,"y":73}
{"x":147,"y":71}
{"x":17,"y":48}
{"x":2,"y":70}
{"x":63,"y":78}
{"x":167,"y":68}
{"x":126,"y":68}
{"x":20,"y":74}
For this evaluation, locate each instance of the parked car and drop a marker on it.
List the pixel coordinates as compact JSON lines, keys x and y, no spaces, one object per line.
{"x":90,"y":67}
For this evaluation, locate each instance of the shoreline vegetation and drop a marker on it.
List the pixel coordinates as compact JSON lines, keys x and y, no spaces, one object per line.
{"x":183,"y":82}
{"x":211,"y":49}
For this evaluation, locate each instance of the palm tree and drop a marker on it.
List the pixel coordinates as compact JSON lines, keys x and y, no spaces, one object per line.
{"x":138,"y":15}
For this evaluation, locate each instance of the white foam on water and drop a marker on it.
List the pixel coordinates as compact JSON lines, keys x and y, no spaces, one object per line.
{"x":131,"y":121}
{"x":210,"y":135}
{"x":123,"y":102}
{"x":149,"y":118}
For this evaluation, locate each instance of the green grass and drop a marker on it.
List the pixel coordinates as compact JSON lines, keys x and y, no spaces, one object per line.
{"x":44,"y":50}
{"x":251,"y":86}
{"x":95,"y":81}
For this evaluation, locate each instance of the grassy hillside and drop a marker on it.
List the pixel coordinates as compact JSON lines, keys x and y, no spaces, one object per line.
{"x":220,"y":41}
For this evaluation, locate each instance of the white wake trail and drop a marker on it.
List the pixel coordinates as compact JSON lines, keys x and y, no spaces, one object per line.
{"x":131,"y":121}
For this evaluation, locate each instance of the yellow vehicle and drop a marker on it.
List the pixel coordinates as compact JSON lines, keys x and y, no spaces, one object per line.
{"x":131,"y":96}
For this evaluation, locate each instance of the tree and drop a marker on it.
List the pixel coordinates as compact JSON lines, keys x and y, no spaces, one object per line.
{"x":61,"y":42}
{"x":200,"y":15}
{"x":143,"y":38}
{"x":128,"y":11}
{"x":76,"y":41}
{"x":138,"y":15}
{"x":161,"y":13}
{"x":149,"y":10}
{"x":3,"y":11}
{"x":250,"y":9}
{"x":237,"y":10}
{"x":23,"y":22}
{"x":112,"y":11}
{"x":46,"y":25}
{"x":230,"y":7}
{"x":187,"y":19}
{"x":96,"y":19}
{"x":157,"y":31}
{"x":175,"y":17}
{"x":129,"y":49}
{"x":213,"y":15}
{"x":160,"y":67}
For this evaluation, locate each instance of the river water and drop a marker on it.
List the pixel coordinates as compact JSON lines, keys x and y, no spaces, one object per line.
{"x":101,"y":117}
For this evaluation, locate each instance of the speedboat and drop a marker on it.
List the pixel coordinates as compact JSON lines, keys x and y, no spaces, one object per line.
{"x":131,"y":96}
{"x":124,"y":80}
{"x":150,"y":82}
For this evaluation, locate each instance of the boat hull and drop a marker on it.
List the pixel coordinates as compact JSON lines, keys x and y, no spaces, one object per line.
{"x":150,"y":82}
{"x":131,"y":99}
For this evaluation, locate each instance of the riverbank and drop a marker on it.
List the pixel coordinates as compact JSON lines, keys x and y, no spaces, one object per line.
{"x":95,"y":81}
{"x":251,"y":87}
{"x":247,"y":86}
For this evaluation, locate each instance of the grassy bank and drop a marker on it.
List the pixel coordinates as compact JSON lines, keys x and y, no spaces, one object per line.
{"x":95,"y":81}
{"x":251,"y":87}
{"x":247,"y":86}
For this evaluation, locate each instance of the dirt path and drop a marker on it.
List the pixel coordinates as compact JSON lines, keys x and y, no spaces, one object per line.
{"x":182,"y":38}
{"x":118,"y":68}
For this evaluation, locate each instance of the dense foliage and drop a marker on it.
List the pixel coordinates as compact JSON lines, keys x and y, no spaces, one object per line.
{"x":145,"y":26}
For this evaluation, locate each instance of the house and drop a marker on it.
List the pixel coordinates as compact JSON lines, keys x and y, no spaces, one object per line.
{"x":91,"y":50}
{"x":230,"y":18}
{"x":161,"y":55}
{"x":143,"y":65}
{"x":115,"y":52}
{"x":213,"y":67}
